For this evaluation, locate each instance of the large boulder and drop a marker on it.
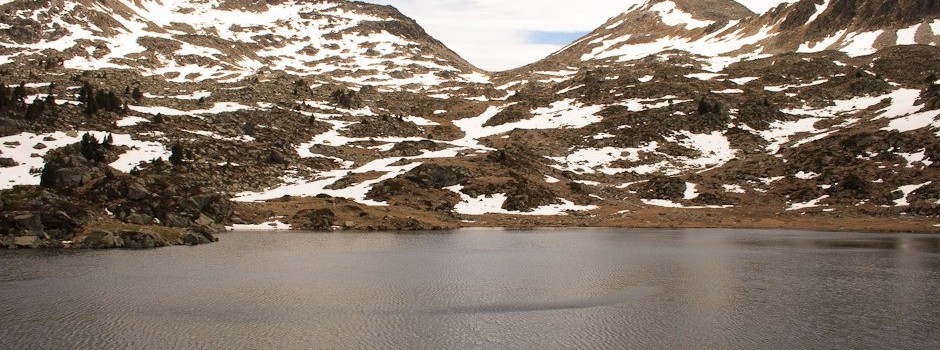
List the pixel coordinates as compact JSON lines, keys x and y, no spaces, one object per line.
{"x":137,"y":191}
{"x":314,"y":220}
{"x":142,"y":240}
{"x":101,"y":240}
{"x":525,"y":195}
{"x":438,"y":176}
{"x":663,"y":187}
{"x":139,"y":219}
{"x":28,"y":223}
{"x":7,"y":163}
{"x":69,"y":178}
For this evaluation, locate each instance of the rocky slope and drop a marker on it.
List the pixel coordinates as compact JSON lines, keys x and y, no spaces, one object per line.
{"x":718,"y":32}
{"x":673,"y":114}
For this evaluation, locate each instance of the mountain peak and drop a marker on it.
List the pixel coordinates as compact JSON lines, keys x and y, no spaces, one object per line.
{"x":352,"y":43}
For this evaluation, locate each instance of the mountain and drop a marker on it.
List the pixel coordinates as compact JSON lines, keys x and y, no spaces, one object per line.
{"x":343,"y":115}
{"x":720,"y":31}
{"x":230,"y":40}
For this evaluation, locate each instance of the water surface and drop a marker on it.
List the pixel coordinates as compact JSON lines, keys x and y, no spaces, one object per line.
{"x":641,"y":289}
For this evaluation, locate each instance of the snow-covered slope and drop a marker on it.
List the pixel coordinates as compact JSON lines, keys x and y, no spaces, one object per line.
{"x":721,"y":31}
{"x":230,"y":40}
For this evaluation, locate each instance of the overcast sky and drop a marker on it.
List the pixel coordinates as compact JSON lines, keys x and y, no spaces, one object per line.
{"x":504,"y":34}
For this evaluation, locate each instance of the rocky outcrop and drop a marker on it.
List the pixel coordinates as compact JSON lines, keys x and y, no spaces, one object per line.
{"x":314,"y":220}
{"x":438,"y":176}
{"x":663,"y":187}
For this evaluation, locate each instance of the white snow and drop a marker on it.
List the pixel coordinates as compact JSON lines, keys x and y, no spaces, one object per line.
{"x":492,"y":204}
{"x":915,"y":121}
{"x":734,"y":189}
{"x":811,"y":204}
{"x":806,"y":176}
{"x":907,"y":36}
{"x":218,"y":107}
{"x":195,"y":95}
{"x":30,"y":159}
{"x":787,"y":87}
{"x":670,"y":15}
{"x":566,"y":113}
{"x":703,"y":76}
{"x":212,"y":135}
{"x":912,"y":158}
{"x":820,"y":8}
{"x":591,"y":160}
{"x":275,"y":225}
{"x":823,"y":45}
{"x":860,"y":44}
{"x":907,"y":190}
{"x":131,"y":121}
{"x":744,"y":80}
{"x":420,"y":121}
{"x":728,"y":91}
{"x":670,"y":204}
{"x":691,"y":192}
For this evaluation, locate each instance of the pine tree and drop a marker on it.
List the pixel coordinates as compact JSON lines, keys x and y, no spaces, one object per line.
{"x":91,"y":149}
{"x":176,"y":154}
{"x":35,"y":109}
{"x":47,"y":178}
{"x":4,"y":95}
{"x":158,"y":119}
{"x":91,"y":104}
{"x":137,"y":95}
{"x":85,"y":92}
{"x":114,"y":104}
{"x":19,"y":93}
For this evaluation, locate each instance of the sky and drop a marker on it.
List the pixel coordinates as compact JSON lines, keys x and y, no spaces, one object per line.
{"x":503,"y":34}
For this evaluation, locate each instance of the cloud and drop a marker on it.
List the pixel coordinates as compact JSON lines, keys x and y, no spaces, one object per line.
{"x":500,"y":34}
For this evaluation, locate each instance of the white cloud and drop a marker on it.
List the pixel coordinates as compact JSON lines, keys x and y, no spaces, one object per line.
{"x":494,"y":34}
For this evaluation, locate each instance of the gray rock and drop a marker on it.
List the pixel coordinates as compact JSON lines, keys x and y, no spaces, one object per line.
{"x":7,"y":241}
{"x":139,"y":219}
{"x":28,"y":222}
{"x":142,"y":240}
{"x":67,"y":178}
{"x":26,"y":241}
{"x":174,"y":220}
{"x":205,"y":220}
{"x":101,"y":240}
{"x":136,"y":191}
{"x":195,"y":238}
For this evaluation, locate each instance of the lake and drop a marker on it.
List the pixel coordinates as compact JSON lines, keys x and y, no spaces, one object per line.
{"x":483,"y":289}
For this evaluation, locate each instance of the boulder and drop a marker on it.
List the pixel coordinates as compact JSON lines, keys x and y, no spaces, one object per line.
{"x":314,"y":219}
{"x":438,"y":176}
{"x":136,"y":191}
{"x":195,"y":238}
{"x":67,"y":178}
{"x":7,"y":163}
{"x":28,"y":223}
{"x":139,"y":219}
{"x":174,"y":220}
{"x":26,"y":241}
{"x":142,"y":240}
{"x":101,"y":240}
{"x":663,"y":187}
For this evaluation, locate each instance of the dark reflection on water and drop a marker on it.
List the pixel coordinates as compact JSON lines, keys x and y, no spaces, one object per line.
{"x":639,"y":289}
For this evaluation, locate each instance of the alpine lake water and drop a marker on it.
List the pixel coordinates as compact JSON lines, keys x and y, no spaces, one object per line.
{"x":483,"y":289}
